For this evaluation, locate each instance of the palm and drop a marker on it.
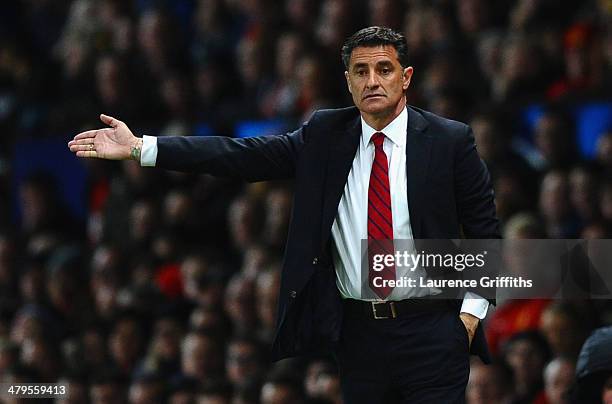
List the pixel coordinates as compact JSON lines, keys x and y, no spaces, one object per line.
{"x":112,"y":143}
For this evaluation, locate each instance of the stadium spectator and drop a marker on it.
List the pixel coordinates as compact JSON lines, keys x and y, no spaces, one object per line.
{"x":146,"y":389}
{"x":604,"y":152}
{"x":555,"y":140}
{"x":322,"y":381}
{"x":555,"y":206}
{"x":244,"y":361}
{"x":594,"y":369}
{"x":267,"y":285}
{"x":201,"y":357}
{"x":281,"y":388}
{"x":240,"y":303}
{"x":489,"y":384}
{"x":563,"y":325}
{"x":583,"y":193}
{"x":558,"y":378}
{"x":527,"y":353}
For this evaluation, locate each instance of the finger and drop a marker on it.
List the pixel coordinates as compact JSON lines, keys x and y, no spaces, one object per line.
{"x":109,"y":120}
{"x":91,"y":134}
{"x":80,"y":147}
{"x":86,"y":134}
{"x":80,"y":142}
{"x":83,"y":141}
{"x":87,"y":154}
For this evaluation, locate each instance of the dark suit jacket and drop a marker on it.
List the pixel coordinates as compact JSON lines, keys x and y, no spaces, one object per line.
{"x":449,"y":195}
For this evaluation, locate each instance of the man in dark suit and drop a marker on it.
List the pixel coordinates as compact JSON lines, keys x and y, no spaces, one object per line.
{"x":380,"y":170}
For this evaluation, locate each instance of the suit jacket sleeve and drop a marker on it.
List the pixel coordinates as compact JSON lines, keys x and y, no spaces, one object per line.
{"x":476,"y":212}
{"x":250,"y":159}
{"x":474,"y":191}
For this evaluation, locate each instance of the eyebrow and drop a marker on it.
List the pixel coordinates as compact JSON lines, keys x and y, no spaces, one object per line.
{"x":381,"y":63}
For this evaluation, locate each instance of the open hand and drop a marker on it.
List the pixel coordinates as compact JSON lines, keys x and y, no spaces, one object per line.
{"x":114,"y":143}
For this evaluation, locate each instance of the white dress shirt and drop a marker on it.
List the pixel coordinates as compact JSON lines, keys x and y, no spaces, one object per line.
{"x":350,"y":224}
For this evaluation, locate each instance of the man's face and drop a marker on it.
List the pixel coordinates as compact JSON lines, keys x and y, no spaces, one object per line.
{"x":377,"y":81}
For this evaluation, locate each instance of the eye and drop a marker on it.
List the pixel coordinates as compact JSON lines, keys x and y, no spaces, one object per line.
{"x":385,"y":70}
{"x":361,"y":73}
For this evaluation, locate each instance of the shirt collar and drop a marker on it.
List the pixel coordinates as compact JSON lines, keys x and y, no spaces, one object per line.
{"x":395,"y":130}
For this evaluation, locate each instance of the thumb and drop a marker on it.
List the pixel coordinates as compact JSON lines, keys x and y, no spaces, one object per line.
{"x":109,"y":120}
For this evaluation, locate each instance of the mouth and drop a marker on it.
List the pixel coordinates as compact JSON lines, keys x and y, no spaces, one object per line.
{"x":373,"y":96}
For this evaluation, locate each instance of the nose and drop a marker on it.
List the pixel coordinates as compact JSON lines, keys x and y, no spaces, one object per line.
{"x":372,"y":81}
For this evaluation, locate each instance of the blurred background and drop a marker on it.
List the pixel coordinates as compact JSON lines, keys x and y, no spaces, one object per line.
{"x":143,"y":286}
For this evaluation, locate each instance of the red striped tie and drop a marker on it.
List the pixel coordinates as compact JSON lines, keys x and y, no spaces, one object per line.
{"x":380,"y":218}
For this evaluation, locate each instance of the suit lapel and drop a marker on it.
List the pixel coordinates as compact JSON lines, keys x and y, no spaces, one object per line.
{"x":418,"y":155}
{"x":342,"y":149}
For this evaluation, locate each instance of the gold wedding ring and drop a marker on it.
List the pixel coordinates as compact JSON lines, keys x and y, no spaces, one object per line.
{"x":91,"y":146}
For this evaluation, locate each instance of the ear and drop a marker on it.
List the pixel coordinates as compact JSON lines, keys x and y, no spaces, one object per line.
{"x":348,"y":82}
{"x":406,"y":77}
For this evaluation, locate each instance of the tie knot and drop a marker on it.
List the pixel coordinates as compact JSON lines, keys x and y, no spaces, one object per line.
{"x":378,"y":138}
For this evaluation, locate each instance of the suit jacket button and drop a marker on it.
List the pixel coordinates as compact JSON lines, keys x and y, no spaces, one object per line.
{"x":293,"y":294}
{"x":315,"y":261}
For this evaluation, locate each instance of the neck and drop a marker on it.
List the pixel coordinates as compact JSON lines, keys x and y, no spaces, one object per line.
{"x":381,"y":120}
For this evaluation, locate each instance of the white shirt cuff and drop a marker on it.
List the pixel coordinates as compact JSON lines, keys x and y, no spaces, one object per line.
{"x":148,"y":154}
{"x":474,"y":305}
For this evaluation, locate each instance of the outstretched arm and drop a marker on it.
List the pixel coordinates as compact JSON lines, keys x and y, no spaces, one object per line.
{"x":114,"y":143}
{"x":252,"y":159}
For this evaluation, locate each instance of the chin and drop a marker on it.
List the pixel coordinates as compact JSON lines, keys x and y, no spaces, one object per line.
{"x":374,"y":103}
{"x":375,"y":109}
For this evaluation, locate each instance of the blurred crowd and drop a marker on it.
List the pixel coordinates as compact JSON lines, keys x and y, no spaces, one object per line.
{"x":166,"y":290}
